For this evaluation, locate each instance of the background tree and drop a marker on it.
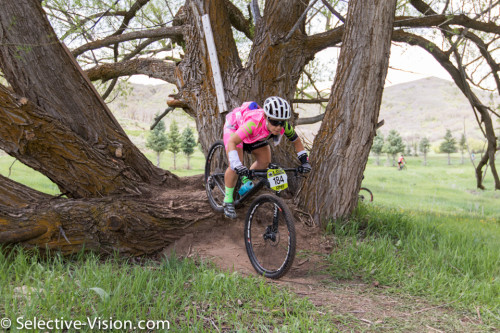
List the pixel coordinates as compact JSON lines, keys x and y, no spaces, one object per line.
{"x":378,"y":145}
{"x":462,"y":145}
{"x":174,"y":141}
{"x":449,"y":145}
{"x":188,"y":143}
{"x":408,"y":149}
{"x":157,"y":140}
{"x":394,"y":145}
{"x":425,"y":145}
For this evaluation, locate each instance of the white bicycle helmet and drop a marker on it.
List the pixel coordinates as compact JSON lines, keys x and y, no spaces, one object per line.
{"x":277,"y":108}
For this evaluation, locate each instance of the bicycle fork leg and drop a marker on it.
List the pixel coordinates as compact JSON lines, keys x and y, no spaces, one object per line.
{"x":276,"y":218}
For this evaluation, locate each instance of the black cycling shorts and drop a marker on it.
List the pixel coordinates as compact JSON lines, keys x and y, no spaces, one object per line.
{"x":249,"y":147}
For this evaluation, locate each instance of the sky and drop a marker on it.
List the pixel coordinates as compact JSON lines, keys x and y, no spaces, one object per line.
{"x":412,"y":63}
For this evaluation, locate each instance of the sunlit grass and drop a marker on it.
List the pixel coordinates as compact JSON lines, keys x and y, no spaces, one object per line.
{"x":429,"y":232}
{"x":193,"y":296}
{"x":438,"y":187}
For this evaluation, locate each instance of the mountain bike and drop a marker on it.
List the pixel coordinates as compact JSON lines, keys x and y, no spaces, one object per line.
{"x":269,"y":231}
{"x":365,"y":194}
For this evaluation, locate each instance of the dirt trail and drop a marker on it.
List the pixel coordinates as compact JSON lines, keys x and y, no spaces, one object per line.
{"x":363,"y":307}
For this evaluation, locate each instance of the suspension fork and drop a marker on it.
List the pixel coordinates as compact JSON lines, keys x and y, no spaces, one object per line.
{"x":275,"y":218}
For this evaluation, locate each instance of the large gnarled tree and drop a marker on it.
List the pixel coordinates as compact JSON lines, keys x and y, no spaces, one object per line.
{"x":54,"y":121}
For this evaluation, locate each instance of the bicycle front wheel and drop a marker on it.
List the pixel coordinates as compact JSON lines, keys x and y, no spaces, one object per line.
{"x":270,"y":236}
{"x":215,"y":168}
{"x":365,"y":194}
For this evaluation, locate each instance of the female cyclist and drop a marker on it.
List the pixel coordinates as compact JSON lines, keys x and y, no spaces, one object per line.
{"x":248,"y":128}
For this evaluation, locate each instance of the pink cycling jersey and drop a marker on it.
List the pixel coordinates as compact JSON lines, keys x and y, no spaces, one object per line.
{"x":248,"y":122}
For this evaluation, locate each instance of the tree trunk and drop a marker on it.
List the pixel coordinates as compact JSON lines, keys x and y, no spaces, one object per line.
{"x":54,"y":94}
{"x":273,"y":66}
{"x":338,"y":161}
{"x":425,"y":158}
{"x":130,"y":225}
{"x":449,"y":160}
{"x":55,"y":122}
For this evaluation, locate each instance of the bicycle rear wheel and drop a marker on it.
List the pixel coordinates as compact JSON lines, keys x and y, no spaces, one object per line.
{"x":215,"y":168}
{"x":270,"y":236}
{"x":365,"y":194}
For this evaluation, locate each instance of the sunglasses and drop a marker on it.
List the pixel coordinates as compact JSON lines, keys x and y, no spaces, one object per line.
{"x":275,"y":122}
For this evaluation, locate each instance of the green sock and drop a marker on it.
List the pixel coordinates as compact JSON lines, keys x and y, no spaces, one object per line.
{"x":245,"y":179}
{"x":229,"y":194}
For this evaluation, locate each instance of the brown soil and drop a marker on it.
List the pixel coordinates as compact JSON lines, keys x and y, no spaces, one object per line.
{"x":362,"y":306}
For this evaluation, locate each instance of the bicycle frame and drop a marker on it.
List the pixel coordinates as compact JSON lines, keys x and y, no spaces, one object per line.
{"x":262,"y":176}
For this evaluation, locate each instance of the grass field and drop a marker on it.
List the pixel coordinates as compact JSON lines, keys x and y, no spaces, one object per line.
{"x":429,"y":233}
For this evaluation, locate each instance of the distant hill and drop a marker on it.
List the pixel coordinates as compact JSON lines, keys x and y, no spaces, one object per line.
{"x":425,"y":107}
{"x":428,"y":107}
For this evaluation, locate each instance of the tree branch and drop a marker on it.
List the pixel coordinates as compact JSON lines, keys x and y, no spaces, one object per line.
{"x":164,"y":32}
{"x":154,"y":68}
{"x":130,"y":15}
{"x":13,"y":194}
{"x":49,"y":146}
{"x":254,"y":6}
{"x":438,"y":20}
{"x":299,"y":22}
{"x":310,"y":120}
{"x":310,"y":101}
{"x":334,"y":12}
{"x":458,"y":76}
{"x":321,"y":41}
{"x":238,"y":20}
{"x":161,"y":116}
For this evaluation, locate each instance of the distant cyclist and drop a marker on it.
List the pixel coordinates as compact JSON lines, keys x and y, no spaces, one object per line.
{"x":401,"y":162}
{"x":248,"y":128}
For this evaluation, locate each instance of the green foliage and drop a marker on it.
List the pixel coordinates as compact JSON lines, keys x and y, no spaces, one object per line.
{"x":174,"y":140}
{"x":188,"y":142}
{"x":157,"y":139}
{"x":463,"y":143}
{"x":424,"y":145}
{"x":408,"y":149}
{"x":378,"y":143}
{"x":394,"y":144}
{"x":449,"y":145}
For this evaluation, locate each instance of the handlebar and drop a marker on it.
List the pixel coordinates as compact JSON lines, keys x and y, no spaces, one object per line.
{"x":262,"y":173}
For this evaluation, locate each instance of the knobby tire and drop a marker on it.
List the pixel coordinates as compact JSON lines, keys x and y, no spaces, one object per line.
{"x":270,"y":257}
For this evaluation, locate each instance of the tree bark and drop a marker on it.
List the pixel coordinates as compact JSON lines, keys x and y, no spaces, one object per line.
{"x":129,"y":225}
{"x":54,"y":121}
{"x":339,"y":160}
{"x":273,"y":67}
{"x":56,"y":95}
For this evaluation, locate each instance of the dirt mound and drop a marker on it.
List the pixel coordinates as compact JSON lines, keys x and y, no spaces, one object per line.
{"x":362,"y":305}
{"x":221,"y":239}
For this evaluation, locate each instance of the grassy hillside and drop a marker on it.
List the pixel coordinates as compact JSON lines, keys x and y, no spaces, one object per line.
{"x":425,"y":107}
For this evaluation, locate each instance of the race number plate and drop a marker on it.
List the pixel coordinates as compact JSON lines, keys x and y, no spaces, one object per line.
{"x":277,"y":179}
